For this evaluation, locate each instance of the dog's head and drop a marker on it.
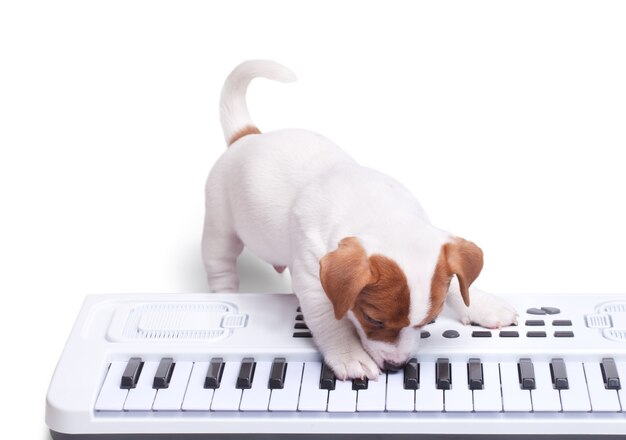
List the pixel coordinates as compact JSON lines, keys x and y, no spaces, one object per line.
{"x":388,"y":301}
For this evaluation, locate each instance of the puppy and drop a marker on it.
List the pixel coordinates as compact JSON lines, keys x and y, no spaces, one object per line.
{"x":368,"y":267}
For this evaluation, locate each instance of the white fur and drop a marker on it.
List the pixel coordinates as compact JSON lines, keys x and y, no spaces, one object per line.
{"x":291,"y":196}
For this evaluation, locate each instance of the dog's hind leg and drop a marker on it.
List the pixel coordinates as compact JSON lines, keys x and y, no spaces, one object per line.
{"x":220,"y":248}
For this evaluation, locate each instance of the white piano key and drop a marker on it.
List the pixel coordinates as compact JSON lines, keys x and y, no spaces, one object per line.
{"x":342,"y":398}
{"x":142,"y":396}
{"x":257,"y":397}
{"x":544,"y":397}
{"x":198,"y":398}
{"x":602,"y":400}
{"x":490,"y":397}
{"x":459,"y":397}
{"x":373,"y":398}
{"x":312,"y":398}
{"x":399,"y":399}
{"x":286,"y":399}
{"x":576,"y":398}
{"x":514,"y":398}
{"x":227,"y":397}
{"x":427,"y":396}
{"x":621,"y":371}
{"x":171,"y":398}
{"x":112,"y":397}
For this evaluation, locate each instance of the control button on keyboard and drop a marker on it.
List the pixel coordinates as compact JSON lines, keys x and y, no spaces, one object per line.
{"x":536,"y":334}
{"x":526,"y":374}
{"x":459,"y":397}
{"x":257,"y":397}
{"x":475,"y":374}
{"x":564,"y":334}
{"x":535,"y":311}
{"x":142,"y":396}
{"x":131,"y":373}
{"x":411,"y":375}
{"x":535,"y":322}
{"x":197,"y":397}
{"x":609,"y":374}
{"x":562,"y":322}
{"x":544,"y":396}
{"x":301,"y":326}
{"x":214,"y":373}
{"x":112,"y":397}
{"x":481,"y":334}
{"x":450,"y":334}
{"x":312,"y":396}
{"x":300,"y":317}
{"x":327,"y":378}
{"x":424,"y":334}
{"x":514,"y":398}
{"x":428,"y":397}
{"x":551,"y":310}
{"x":164,"y":373}
{"x":489,"y":397}
{"x":302,"y":335}
{"x":444,"y":378}
{"x":171,"y":398}
{"x":558,"y":372}
{"x":576,"y":397}
{"x":246,"y":373}
{"x":509,"y":334}
{"x":277,"y":375}
{"x":286,"y":398}
{"x":227,"y":397}
{"x":399,"y":398}
{"x":602,"y":399}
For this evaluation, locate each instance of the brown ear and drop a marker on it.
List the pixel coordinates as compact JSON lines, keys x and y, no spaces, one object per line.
{"x":464,"y":259}
{"x":344,"y":273}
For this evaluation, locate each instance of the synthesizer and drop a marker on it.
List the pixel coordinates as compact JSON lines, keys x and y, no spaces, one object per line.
{"x":213,"y":366}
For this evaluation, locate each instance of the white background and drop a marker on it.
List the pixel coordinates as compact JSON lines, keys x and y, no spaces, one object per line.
{"x":506,"y":120}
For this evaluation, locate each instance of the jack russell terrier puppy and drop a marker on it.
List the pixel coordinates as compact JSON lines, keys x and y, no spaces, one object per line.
{"x":367,"y":266}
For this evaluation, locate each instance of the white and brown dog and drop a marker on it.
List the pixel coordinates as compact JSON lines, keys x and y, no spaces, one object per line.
{"x":368,"y":267}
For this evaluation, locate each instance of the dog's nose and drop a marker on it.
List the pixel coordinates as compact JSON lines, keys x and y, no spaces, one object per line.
{"x":392,"y":366}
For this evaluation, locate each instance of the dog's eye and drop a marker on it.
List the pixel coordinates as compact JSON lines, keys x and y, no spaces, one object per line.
{"x":372,"y":321}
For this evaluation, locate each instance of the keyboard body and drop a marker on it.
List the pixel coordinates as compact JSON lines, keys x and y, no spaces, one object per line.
{"x":585,"y":334}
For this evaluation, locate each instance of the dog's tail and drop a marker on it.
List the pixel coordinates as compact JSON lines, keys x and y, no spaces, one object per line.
{"x":236,"y":121}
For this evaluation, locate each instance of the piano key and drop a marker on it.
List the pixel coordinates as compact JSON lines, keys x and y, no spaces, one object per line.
{"x":312,"y":397}
{"x":171,"y":398}
{"x":359,"y":384}
{"x":558,"y":371}
{"x":286,"y":398}
{"x":444,"y":379}
{"x":327,"y":378}
{"x":475,"y":374}
{"x":428,"y":397}
{"x":246,"y":373}
{"x":411,"y":375}
{"x":621,"y":371}
{"x":342,"y":398}
{"x":526,"y":374}
{"x":112,"y":397}
{"x":514,"y":398}
{"x":197,"y":397}
{"x":227,"y":397}
{"x":214,"y":373}
{"x":164,"y":373}
{"x":602,"y":400}
{"x":131,"y":373}
{"x":459,"y":397}
{"x":277,"y":374}
{"x":576,"y":397}
{"x":257,"y":397}
{"x":373,"y":398}
{"x":489,"y":398}
{"x":142,"y":396}
{"x":399,"y":398}
{"x":544,"y":396}
{"x":609,"y":374}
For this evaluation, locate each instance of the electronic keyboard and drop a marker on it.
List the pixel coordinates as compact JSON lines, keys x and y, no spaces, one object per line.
{"x":208,"y":366}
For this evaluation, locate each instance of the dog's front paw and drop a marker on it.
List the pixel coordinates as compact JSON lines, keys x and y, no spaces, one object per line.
{"x":352,"y":365}
{"x":490,"y":311}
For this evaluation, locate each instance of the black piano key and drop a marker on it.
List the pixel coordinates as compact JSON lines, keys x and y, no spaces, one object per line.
{"x":131,"y":373}
{"x":246,"y":374}
{"x":214,"y":374}
{"x":300,"y":317}
{"x":559,"y":374}
{"x":359,"y":384}
{"x":444,"y":376}
{"x":327,"y":378}
{"x":163,"y":373}
{"x":609,"y":374}
{"x":475,"y":374}
{"x":526,"y":372}
{"x":302,"y":335}
{"x":277,"y":374}
{"x":301,"y":326}
{"x":411,"y":375}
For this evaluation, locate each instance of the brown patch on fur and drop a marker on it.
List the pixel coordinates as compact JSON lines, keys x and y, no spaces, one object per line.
{"x":248,"y":129}
{"x":461,"y":258}
{"x":374,"y":286}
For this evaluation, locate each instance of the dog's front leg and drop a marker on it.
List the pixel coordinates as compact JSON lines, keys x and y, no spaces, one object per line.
{"x":485,"y":309}
{"x":337,"y":340}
